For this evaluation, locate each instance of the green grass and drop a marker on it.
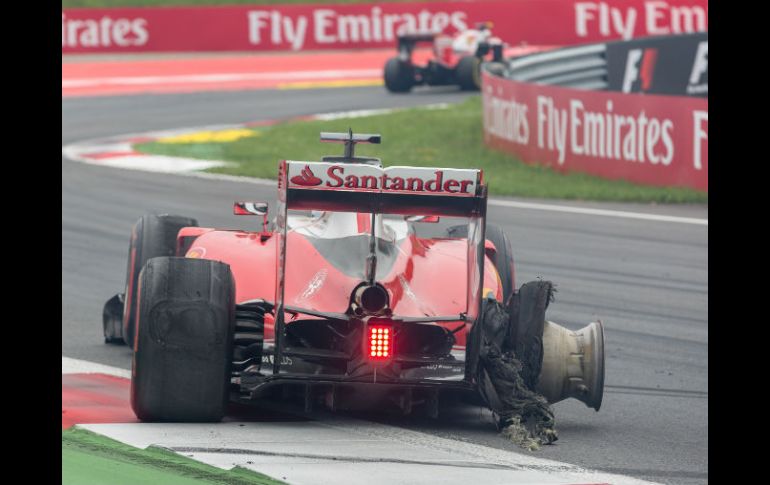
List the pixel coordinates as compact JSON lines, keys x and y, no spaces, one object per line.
{"x":92,"y":459}
{"x":449,"y":137}
{"x":191,"y":3}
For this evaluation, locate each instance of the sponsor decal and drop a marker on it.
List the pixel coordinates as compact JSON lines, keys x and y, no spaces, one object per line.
{"x":329,"y":26}
{"x":571,"y":129}
{"x":344,"y":26}
{"x":196,"y":252}
{"x":103,"y":32}
{"x":640,"y":67}
{"x":359,"y":177}
{"x":407,"y":288}
{"x":306,"y":178}
{"x":313,"y":286}
{"x":268,"y":359}
{"x":676,"y":65}
{"x":451,"y":368}
{"x":699,"y":75}
{"x":657,"y":140}
{"x":700,"y":139}
{"x":626,"y":20}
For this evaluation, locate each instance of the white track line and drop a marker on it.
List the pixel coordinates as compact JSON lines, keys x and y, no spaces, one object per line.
{"x":363,"y":113}
{"x":597,"y":212}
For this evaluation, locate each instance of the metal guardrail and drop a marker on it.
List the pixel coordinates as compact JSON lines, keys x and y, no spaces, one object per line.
{"x":581,"y":67}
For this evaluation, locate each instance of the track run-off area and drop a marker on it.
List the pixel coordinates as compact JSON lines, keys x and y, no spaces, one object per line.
{"x":642,"y":269}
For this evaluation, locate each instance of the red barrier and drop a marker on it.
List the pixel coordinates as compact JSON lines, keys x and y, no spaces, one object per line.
{"x":341,"y":26}
{"x":654,"y":140}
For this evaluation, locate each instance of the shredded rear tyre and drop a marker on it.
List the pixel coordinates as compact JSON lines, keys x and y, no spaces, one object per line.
{"x":509,"y":355}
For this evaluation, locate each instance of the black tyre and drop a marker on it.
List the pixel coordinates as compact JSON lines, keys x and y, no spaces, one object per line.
{"x":185,"y":327}
{"x":152,"y":236}
{"x":399,"y":76}
{"x":468,"y":73}
{"x":503,"y":258}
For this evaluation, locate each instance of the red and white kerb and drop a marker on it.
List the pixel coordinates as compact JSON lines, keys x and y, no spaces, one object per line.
{"x":380,"y":342}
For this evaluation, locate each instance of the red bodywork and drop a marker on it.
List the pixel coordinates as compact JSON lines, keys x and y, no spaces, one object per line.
{"x":347,"y":255}
{"x":427,"y":278}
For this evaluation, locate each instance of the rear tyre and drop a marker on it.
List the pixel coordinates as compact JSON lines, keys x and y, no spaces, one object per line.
{"x":468,"y":73}
{"x":185,"y":327}
{"x":152,"y":236}
{"x":399,"y":76}
{"x":503,"y":258}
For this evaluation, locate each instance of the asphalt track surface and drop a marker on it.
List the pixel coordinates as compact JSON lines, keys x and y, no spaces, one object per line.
{"x":647,"y":280}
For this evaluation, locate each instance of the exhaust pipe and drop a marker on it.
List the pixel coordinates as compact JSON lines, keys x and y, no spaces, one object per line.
{"x":370,"y":300}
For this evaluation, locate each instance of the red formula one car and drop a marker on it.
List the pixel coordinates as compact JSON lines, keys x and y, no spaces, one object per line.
{"x":456,"y":60}
{"x":344,"y":299}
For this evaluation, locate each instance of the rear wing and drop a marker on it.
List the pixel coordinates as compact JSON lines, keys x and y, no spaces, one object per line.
{"x":407,"y":42}
{"x":353,"y":187}
{"x":358,"y":187}
{"x":417,"y":38}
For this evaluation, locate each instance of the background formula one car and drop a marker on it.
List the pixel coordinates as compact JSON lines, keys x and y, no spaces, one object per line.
{"x":344,"y":300}
{"x":456,"y":61}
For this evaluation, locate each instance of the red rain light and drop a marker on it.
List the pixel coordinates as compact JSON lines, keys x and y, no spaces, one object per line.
{"x":380,"y":342}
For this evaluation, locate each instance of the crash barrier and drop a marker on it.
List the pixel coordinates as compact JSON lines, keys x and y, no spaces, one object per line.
{"x":647,"y":139}
{"x":581,"y":67}
{"x":675,"y":65}
{"x":369,"y":25}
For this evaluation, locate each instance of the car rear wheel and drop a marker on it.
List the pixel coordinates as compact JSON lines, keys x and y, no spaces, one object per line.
{"x":502,"y":259}
{"x":152,"y":236}
{"x":399,"y":76}
{"x":469,"y":73}
{"x":185,"y":328}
